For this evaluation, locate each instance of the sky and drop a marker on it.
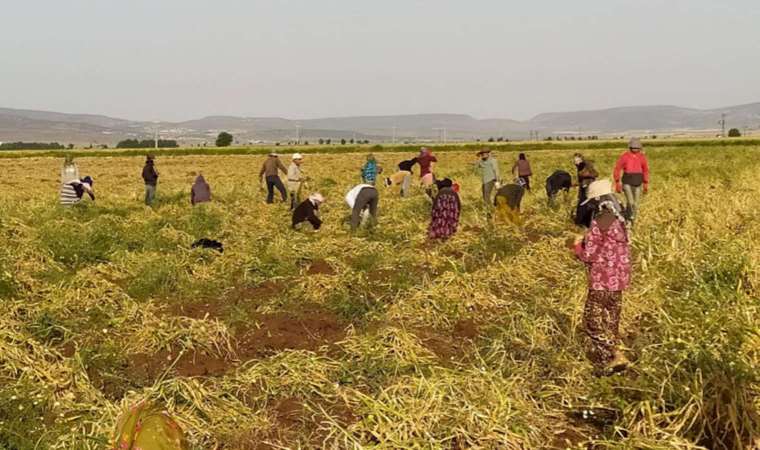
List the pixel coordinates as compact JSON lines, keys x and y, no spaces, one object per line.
{"x":185,"y":59}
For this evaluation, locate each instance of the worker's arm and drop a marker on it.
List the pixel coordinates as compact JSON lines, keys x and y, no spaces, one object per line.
{"x":617,"y":173}
{"x":281,"y":166}
{"x":645,"y":169}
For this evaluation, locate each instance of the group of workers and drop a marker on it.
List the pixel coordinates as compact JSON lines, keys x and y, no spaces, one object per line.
{"x":604,"y":247}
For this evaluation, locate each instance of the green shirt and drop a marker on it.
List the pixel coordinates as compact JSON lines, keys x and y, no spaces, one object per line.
{"x":489,"y":169}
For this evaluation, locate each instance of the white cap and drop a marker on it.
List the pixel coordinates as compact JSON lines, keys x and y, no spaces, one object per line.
{"x":598,"y":188}
{"x":297,"y":156}
{"x":317,"y":197}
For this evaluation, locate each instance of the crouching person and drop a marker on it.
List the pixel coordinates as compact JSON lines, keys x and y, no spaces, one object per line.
{"x":362,"y":199}
{"x":507,"y":202}
{"x":444,"y":217}
{"x":73,"y":191}
{"x":308,"y":211}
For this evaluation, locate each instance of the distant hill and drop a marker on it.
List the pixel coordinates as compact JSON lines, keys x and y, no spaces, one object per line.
{"x":30,"y":125}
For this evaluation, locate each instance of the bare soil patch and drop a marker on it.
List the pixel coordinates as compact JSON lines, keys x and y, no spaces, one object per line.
{"x":304,"y":330}
{"x":320,"y":267}
{"x":450,"y":346}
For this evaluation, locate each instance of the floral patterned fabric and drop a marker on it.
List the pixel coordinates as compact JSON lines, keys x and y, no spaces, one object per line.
{"x":601,"y":319}
{"x":606,"y":253}
{"x":445,"y":215}
{"x":147,"y":427}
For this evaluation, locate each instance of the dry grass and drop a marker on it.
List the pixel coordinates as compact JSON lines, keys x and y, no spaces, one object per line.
{"x":473,"y":343}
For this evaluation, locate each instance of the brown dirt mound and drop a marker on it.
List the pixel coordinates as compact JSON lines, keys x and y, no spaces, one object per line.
{"x":306,"y":330}
{"x":302,"y":330}
{"x":451,"y":346}
{"x":320,"y":267}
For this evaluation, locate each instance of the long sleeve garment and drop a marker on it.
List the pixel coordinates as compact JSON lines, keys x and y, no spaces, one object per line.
{"x":271,"y":166}
{"x":307,"y":211}
{"x":632,"y":163}
{"x":149,"y":174}
{"x":606,"y":252}
{"x":489,"y":170}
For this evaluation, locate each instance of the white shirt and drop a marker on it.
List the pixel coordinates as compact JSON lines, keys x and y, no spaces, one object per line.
{"x":353,"y":193}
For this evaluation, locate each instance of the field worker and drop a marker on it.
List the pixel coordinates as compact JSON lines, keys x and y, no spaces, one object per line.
{"x":521,"y":169}
{"x":147,"y":427}
{"x":295,"y":180}
{"x":586,"y":176}
{"x":73,"y":191}
{"x":269,"y":175}
{"x":507,"y":203}
{"x":489,"y":174}
{"x":427,"y":161}
{"x":606,"y":252}
{"x":632,"y":177}
{"x":370,"y":170}
{"x":403,"y":177}
{"x":597,"y":192}
{"x":200,"y":192}
{"x":558,"y":181}
{"x":362,"y":199}
{"x":308,"y":210}
{"x":150,"y":177}
{"x":444,"y":217}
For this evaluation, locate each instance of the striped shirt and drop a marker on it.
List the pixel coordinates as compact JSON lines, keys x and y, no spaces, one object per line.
{"x":70,"y":195}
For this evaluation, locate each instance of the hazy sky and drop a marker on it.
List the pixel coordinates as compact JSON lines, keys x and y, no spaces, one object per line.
{"x":182,"y":59}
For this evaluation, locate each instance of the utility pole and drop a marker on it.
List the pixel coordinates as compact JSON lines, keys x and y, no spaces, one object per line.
{"x":298,"y":134}
{"x":156,"y":137}
{"x":441,"y":134}
{"x":722,"y":123}
{"x":394,"y":135}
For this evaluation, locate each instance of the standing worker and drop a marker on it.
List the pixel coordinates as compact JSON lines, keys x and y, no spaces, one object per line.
{"x":427,"y":161}
{"x":362,"y":199}
{"x":269,"y":175}
{"x":521,"y":169}
{"x":370,"y":170}
{"x":200,"y":192}
{"x":606,"y":252}
{"x":632,"y":177}
{"x":150,"y":176}
{"x":444,"y":217}
{"x":295,"y":180}
{"x":489,"y":172}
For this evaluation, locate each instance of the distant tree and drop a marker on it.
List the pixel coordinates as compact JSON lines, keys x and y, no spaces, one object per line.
{"x":734,"y":132}
{"x":328,"y":141}
{"x":305,"y":142}
{"x":277,"y":144}
{"x":321,"y":141}
{"x":548,"y":138}
{"x":224,"y":139}
{"x":490,"y":139}
{"x":147,"y":143}
{"x":351,"y":141}
{"x":343,"y":142}
{"x":70,"y":146}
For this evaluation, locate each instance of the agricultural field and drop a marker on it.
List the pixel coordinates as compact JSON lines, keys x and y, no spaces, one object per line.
{"x":295,"y":339}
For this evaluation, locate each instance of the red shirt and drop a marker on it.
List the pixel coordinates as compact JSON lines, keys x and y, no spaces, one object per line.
{"x":630,"y":162}
{"x":425,"y":161}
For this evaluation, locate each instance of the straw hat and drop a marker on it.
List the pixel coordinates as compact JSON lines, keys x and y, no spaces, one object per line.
{"x":597,"y":189}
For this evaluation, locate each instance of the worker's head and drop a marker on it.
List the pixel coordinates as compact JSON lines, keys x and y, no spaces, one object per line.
{"x":522,"y":156}
{"x":87,"y":180}
{"x":370,"y":157}
{"x":634,"y":145}
{"x":577,"y":158}
{"x":317,"y":198}
{"x":150,"y":159}
{"x":297,"y":158}
{"x":484,"y":154}
{"x":273,"y":155}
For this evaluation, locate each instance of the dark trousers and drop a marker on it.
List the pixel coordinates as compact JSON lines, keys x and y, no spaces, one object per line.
{"x":367,"y":198}
{"x":526,"y":180}
{"x":273,"y":181}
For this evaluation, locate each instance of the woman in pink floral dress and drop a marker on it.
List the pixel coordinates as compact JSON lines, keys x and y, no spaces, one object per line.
{"x":605,"y":250}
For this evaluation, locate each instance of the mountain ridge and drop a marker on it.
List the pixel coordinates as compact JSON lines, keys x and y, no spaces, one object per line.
{"x":37,"y":125}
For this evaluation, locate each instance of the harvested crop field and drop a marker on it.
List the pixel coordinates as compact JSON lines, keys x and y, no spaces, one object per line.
{"x":295,"y":339}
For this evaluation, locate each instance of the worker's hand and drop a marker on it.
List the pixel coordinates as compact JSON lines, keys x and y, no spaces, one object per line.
{"x":497,"y":185}
{"x":618,"y":188}
{"x":646,"y":188}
